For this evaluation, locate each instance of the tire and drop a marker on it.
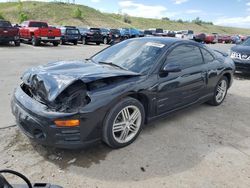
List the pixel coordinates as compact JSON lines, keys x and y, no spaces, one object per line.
{"x":84,"y":41}
{"x":217,"y":101}
{"x":34,"y":41}
{"x":117,"y":138}
{"x":75,"y":43}
{"x":17,"y":43}
{"x":105,"y":40}
{"x":98,"y":43}
{"x":62,"y":42}
{"x":55,"y":43}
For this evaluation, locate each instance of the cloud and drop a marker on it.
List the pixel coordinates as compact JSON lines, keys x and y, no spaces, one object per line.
{"x":141,"y":10}
{"x":95,"y":1}
{"x":234,"y":21}
{"x":178,"y":2}
{"x":193,"y":11}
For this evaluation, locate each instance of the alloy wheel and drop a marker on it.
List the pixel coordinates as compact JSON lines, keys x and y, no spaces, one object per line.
{"x":127,"y":124}
{"x":221,"y":91}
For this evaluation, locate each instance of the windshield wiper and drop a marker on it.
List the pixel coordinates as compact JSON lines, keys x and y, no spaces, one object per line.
{"x":112,"y":64}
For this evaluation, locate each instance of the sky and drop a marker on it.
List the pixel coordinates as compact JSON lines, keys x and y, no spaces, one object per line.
{"x":234,"y":13}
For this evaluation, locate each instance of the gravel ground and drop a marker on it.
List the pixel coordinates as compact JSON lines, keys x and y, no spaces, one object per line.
{"x":202,"y":146}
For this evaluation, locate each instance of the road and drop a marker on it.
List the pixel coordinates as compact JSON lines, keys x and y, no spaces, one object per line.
{"x":199,"y":147}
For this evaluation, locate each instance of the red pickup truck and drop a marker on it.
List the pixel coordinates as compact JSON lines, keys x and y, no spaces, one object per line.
{"x":37,"y":32}
{"x":9,"y":33}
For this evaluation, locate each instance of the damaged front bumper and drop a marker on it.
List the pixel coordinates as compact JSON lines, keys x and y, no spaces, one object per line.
{"x":37,"y":122}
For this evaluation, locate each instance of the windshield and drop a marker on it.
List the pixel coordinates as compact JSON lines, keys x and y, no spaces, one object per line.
{"x":246,"y":42}
{"x":135,"y":55}
{"x":5,"y":24}
{"x":72,"y":31}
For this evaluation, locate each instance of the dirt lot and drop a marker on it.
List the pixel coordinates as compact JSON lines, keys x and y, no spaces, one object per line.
{"x":200,"y":147}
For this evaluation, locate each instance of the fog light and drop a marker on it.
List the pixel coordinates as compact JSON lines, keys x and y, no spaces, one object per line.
{"x":67,"y":123}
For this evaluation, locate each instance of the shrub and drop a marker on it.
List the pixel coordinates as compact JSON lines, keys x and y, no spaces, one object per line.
{"x":77,"y":13}
{"x":165,"y":18}
{"x":127,"y":19}
{"x":22,"y":16}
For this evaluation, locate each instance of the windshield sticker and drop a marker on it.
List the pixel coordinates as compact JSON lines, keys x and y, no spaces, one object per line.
{"x":154,"y":44}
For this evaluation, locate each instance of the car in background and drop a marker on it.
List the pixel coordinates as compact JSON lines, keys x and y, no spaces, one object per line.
{"x":211,"y":39}
{"x":39,"y":31}
{"x":129,"y":33}
{"x":240,"y":54}
{"x":224,"y":39}
{"x":201,"y":37}
{"x":148,"y":33}
{"x":141,"y":33}
{"x":8,"y":33}
{"x":105,"y":33}
{"x":70,"y":34}
{"x":185,"y":34}
{"x":236,"y":39}
{"x":92,"y":35}
{"x":115,"y":36}
{"x":169,"y":33}
{"x":110,"y":96}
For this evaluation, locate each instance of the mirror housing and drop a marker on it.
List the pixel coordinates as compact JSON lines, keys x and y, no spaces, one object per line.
{"x":171,"y":68}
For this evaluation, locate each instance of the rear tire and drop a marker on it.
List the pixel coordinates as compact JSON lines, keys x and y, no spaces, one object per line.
{"x":123,"y":123}
{"x":98,"y":43}
{"x":17,"y":43}
{"x":35,"y":41}
{"x":75,"y":43}
{"x":220,"y":92}
{"x":55,"y":43}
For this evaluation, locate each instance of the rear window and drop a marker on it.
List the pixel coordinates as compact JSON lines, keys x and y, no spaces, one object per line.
{"x":38,"y":24}
{"x":159,"y":30}
{"x":115,"y":31}
{"x":5,"y":24}
{"x":95,"y":29}
{"x":72,"y":31}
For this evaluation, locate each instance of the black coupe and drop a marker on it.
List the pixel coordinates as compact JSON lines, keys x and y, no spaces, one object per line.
{"x":110,"y":96}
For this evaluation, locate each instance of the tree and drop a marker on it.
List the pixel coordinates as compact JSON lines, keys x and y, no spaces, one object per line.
{"x":197,"y":21}
{"x":77,"y":13}
{"x":165,"y":18}
{"x":127,"y":19}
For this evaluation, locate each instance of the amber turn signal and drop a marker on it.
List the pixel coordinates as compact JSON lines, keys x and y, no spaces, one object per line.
{"x":67,"y":123}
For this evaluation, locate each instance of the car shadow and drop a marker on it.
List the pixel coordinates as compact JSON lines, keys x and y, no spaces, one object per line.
{"x":165,"y":147}
{"x":242,"y":76}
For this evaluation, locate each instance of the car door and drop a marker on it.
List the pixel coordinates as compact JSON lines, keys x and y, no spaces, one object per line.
{"x":178,"y":89}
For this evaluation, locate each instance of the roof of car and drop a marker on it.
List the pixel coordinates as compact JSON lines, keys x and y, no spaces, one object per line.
{"x":166,"y":40}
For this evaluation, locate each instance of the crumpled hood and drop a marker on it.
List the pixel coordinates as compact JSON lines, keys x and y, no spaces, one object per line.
{"x":51,"y":79}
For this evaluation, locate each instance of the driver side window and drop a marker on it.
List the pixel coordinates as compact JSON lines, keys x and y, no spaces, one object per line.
{"x":186,"y":56}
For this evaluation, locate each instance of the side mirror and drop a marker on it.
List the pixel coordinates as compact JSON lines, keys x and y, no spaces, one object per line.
{"x":171,"y":67}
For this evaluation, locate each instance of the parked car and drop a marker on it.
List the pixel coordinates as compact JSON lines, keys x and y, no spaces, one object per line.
{"x":241,"y":56}
{"x":70,"y":35}
{"x":169,"y":33}
{"x":8,"y":33}
{"x":73,"y":104}
{"x":141,"y":33}
{"x":211,"y":39}
{"x":105,"y":33}
{"x":201,"y":37}
{"x":148,"y":33}
{"x":115,"y":36}
{"x":224,"y":39}
{"x":129,"y":33}
{"x":37,"y":32}
{"x":185,"y":34}
{"x":236,"y":39}
{"x":90,"y":35}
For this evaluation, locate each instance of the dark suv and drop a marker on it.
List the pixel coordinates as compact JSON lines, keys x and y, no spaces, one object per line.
{"x":90,"y":35}
{"x":9,"y":33}
{"x":70,"y":35}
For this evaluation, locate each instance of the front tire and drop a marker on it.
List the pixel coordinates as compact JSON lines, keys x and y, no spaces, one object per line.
{"x":55,"y":43}
{"x":220,"y":92}
{"x":123,"y":123}
{"x":98,"y":43}
{"x":17,"y":43}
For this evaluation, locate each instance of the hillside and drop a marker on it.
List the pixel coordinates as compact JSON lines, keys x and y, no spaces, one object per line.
{"x":63,"y":14}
